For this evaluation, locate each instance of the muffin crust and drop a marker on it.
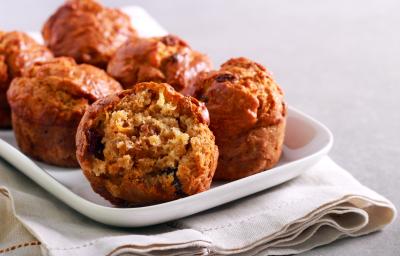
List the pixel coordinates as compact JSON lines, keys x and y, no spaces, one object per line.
{"x":247,"y":117}
{"x":18,"y":52}
{"x":87,"y":31}
{"x":161,"y":59}
{"x":48,"y":103}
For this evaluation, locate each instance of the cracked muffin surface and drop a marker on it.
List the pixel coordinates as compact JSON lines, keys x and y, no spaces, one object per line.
{"x":48,"y":103}
{"x":87,"y":31}
{"x":160,"y":59}
{"x":147,"y":145}
{"x":18,"y":52}
{"x":247,"y":117}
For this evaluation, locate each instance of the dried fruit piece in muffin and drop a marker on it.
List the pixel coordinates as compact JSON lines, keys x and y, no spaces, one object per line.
{"x":247,"y":117}
{"x":48,"y":103}
{"x":160,"y":59}
{"x":87,"y":31}
{"x":147,"y":145}
{"x":18,"y":52}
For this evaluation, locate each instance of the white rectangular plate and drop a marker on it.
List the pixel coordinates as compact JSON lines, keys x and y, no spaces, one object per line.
{"x":306,"y":142}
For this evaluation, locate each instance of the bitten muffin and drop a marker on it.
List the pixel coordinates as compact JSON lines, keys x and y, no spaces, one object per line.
{"x":87,"y":31}
{"x":247,"y":117}
{"x":18,"y":52}
{"x":48,"y":103}
{"x":160,"y":59}
{"x":147,"y":145}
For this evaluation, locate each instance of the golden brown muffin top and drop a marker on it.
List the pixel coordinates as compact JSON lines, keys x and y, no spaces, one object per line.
{"x":87,"y":31}
{"x":59,"y":91}
{"x":159,"y":59}
{"x":241,"y":95}
{"x":18,"y":52}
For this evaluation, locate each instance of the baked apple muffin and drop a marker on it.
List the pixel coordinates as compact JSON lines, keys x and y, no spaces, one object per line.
{"x":18,"y":52}
{"x":160,"y":59}
{"x":47,"y":104}
{"x":87,"y":31}
{"x":247,"y":117}
{"x":146,"y":145}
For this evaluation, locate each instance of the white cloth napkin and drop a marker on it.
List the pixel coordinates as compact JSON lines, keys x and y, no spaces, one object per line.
{"x":324,"y":204}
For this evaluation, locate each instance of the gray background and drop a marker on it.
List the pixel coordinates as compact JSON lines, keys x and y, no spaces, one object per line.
{"x":337,"y":60}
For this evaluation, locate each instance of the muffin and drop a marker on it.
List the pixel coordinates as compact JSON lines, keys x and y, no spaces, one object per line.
{"x":48,"y":103}
{"x":18,"y":52}
{"x":247,"y":117}
{"x":146,"y":145}
{"x":160,"y":59}
{"x":87,"y":31}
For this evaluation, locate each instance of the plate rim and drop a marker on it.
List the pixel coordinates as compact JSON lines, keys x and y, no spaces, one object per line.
{"x":100,"y":212}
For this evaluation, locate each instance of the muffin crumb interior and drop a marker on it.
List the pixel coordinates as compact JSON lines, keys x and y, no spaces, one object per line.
{"x":143,"y":137}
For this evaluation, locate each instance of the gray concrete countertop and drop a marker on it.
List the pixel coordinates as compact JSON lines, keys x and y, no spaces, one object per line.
{"x":337,"y":60}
